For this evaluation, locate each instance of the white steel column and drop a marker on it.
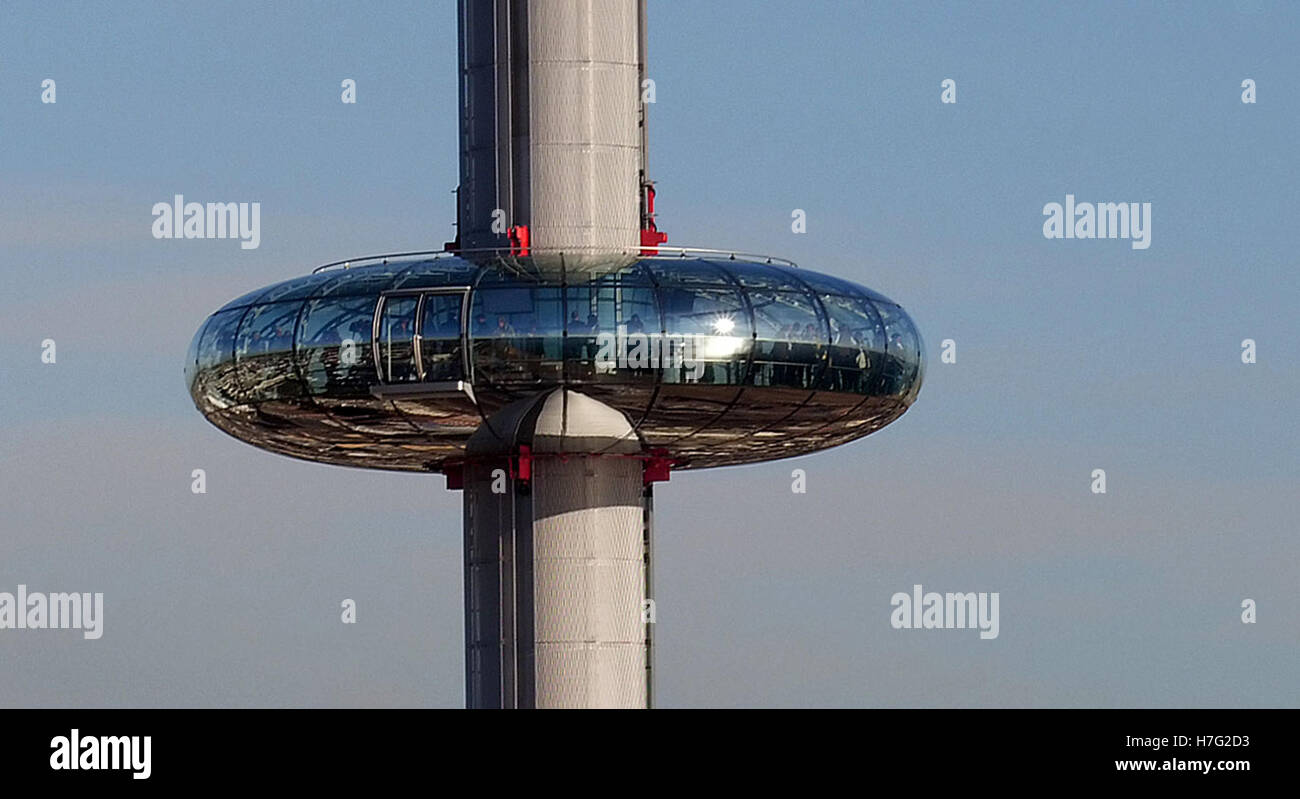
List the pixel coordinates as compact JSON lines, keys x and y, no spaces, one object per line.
{"x":556,"y":565}
{"x":551,"y":124}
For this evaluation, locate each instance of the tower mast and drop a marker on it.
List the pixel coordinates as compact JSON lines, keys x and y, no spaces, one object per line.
{"x":556,"y":506}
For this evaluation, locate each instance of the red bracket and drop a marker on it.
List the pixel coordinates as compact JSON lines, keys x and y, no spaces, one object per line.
{"x":657,"y":468}
{"x":518,"y":235}
{"x":651,"y":238}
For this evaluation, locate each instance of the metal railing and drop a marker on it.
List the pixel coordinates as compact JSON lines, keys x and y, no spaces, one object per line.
{"x":664,"y":252}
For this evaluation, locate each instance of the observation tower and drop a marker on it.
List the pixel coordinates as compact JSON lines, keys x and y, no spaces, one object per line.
{"x":557,"y":359}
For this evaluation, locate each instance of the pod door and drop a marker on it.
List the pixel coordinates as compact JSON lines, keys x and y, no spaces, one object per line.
{"x":395,"y":338}
{"x":440,"y":345}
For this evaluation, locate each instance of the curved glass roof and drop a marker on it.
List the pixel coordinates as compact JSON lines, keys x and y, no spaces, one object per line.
{"x":392,"y":363}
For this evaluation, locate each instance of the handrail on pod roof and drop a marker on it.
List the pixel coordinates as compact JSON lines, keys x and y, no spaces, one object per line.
{"x":678,"y":252}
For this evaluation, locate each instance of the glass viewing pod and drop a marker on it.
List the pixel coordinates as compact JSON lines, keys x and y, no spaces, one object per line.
{"x":715,"y":359}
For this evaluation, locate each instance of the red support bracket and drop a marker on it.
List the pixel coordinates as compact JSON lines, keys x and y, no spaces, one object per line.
{"x":657,"y":468}
{"x":518,"y":235}
{"x":651,"y":238}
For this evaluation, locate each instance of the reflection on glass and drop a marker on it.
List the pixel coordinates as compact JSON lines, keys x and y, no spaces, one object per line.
{"x":856,"y":344}
{"x":440,"y":339}
{"x":613,"y":332}
{"x":216,"y":357}
{"x":827,"y":284}
{"x":244,"y":299}
{"x":901,"y":349}
{"x":437,"y":272}
{"x":764,"y":276}
{"x":296,"y":288}
{"x":683,"y":272}
{"x":192,"y":356}
{"x":397,"y":339}
{"x":611,"y":323}
{"x":264,"y":352}
{"x":369,"y":280}
{"x":334,"y":345}
{"x":791,"y":339}
{"x":707,"y":335}
{"x":824,"y":361}
{"x":517,"y":334}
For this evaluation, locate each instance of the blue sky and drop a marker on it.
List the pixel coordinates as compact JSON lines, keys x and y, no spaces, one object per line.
{"x":1072,"y":355}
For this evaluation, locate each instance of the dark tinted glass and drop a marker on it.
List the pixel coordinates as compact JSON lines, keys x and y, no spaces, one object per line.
{"x":708,"y":335}
{"x":244,"y":299}
{"x":762,"y":276}
{"x":360,"y":280}
{"x":517,"y":333}
{"x":687,"y":272}
{"x":856,"y":344}
{"x":192,"y":356}
{"x":791,"y":339}
{"x":902,"y":350}
{"x":436,"y":272}
{"x":216,"y":357}
{"x":397,"y":339}
{"x":441,"y":354}
{"x":295,"y":289}
{"x":264,"y":352}
{"x":828,"y":284}
{"x":333,"y":345}
{"x":610,"y":327}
